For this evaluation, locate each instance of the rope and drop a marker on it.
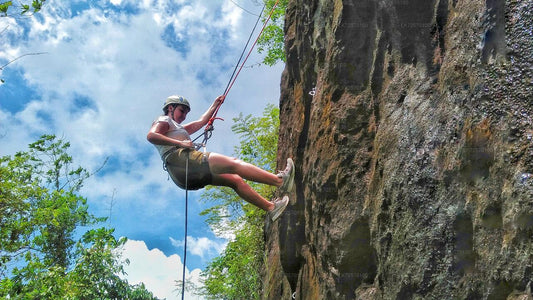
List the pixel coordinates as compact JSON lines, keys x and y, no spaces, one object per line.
{"x":208,"y":131}
{"x":244,"y":49}
{"x":186,"y":221}
{"x":250,"y":52}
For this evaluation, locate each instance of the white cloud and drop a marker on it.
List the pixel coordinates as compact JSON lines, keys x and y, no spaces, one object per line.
{"x":202,"y":246}
{"x":124,"y":70}
{"x":232,"y":15}
{"x":122,"y":66}
{"x":157,"y":271}
{"x":103,"y":79}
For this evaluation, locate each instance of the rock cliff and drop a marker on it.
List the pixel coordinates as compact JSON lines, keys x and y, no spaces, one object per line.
{"x":410,"y":122}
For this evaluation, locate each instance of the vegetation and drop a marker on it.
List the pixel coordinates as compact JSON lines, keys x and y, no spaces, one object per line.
{"x":272,"y":39}
{"x":41,"y":212}
{"x":6,"y":6}
{"x":26,"y":7}
{"x":235,"y":274}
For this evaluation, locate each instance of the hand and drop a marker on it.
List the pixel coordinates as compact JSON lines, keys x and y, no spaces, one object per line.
{"x":187,"y":144}
{"x":220,"y":99}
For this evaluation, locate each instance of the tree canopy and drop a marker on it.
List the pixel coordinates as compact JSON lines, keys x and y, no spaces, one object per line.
{"x":272,"y":40}
{"x":41,"y":213}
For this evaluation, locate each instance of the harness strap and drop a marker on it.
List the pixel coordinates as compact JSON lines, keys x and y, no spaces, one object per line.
{"x":166,"y":155}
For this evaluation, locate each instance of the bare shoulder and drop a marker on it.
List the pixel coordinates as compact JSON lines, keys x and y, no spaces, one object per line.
{"x":160,"y":126}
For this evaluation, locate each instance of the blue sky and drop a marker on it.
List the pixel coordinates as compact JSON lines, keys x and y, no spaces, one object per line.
{"x":107,"y":68}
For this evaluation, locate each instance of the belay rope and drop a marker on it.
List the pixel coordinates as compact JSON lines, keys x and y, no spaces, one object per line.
{"x":186,"y":216}
{"x":208,"y":131}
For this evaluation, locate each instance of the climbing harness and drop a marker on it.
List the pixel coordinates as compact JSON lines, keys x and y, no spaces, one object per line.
{"x":208,"y":131}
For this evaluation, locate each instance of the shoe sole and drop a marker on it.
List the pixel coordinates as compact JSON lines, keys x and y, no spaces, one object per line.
{"x":291,"y":176}
{"x":279,"y":212}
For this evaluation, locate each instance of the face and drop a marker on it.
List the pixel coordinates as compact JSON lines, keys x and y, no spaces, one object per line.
{"x":178,"y":113}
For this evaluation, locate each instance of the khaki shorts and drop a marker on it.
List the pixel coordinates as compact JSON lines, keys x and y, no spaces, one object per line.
{"x":199,"y":174}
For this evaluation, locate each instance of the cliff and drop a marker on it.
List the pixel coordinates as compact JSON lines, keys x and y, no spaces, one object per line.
{"x":410,"y":122}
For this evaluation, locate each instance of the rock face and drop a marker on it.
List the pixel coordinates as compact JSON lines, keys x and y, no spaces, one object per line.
{"x":410,"y":122}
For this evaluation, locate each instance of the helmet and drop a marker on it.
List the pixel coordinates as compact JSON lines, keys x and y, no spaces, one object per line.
{"x":176,"y":100}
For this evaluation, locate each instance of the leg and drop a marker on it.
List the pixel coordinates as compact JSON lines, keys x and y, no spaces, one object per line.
{"x":221,"y":164}
{"x":242,"y":189}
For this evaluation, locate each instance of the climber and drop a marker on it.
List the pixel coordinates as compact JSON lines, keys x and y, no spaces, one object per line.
{"x":174,"y":144}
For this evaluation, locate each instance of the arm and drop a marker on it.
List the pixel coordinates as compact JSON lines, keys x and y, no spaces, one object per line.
{"x":156,"y":136}
{"x":194,"y":126}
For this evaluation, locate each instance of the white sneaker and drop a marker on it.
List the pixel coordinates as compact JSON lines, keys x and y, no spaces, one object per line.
{"x":279,"y":207}
{"x":288,"y":177}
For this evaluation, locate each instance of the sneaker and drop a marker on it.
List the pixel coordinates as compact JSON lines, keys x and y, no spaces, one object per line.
{"x":288,"y":176}
{"x":279,"y":207}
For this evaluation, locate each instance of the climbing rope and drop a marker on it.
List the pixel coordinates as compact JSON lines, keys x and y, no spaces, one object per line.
{"x":208,"y":131}
{"x":186,"y":222}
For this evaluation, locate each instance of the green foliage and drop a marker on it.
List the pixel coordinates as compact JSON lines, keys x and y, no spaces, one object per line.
{"x":259,"y":137}
{"x":40,"y":213}
{"x":235,"y":273}
{"x":258,"y":146}
{"x":272,"y":39}
{"x":34,"y":7}
{"x":4,"y":7}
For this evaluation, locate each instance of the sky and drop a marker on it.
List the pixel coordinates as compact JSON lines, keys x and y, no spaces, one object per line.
{"x":96,"y":74}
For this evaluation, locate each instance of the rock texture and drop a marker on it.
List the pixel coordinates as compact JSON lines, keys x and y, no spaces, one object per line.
{"x":410,"y":122}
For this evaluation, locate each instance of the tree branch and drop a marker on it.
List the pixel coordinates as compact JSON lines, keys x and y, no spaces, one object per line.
{"x":27,"y":54}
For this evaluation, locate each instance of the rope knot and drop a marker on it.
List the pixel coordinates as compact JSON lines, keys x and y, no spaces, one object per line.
{"x":211,"y":121}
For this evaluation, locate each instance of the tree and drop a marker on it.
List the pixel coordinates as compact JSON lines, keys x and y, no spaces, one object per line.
{"x":235,"y":273}
{"x":272,"y":40}
{"x":40,"y":212}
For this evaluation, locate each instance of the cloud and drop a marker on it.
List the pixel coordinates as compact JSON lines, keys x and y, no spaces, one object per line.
{"x":106,"y":73}
{"x":157,"y":271}
{"x":202,"y":246}
{"x":107,"y":69}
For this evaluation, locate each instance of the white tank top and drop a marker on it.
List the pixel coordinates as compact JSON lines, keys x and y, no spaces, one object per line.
{"x":175,"y":131}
